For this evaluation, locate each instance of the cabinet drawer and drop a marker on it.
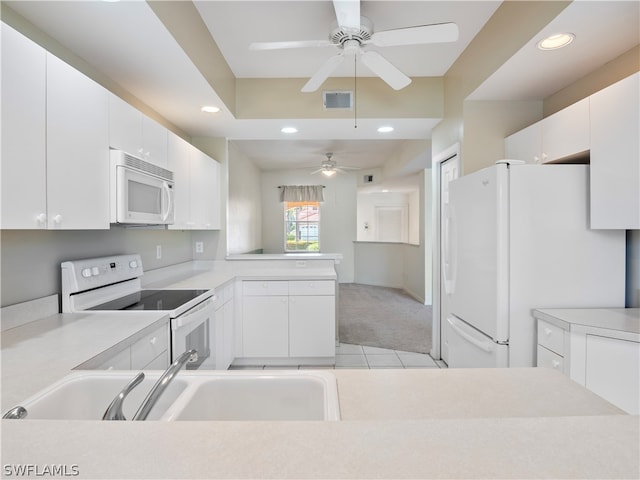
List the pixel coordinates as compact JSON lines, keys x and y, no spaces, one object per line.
{"x":549,"y":359}
{"x":120,"y":361}
{"x":265,"y":288}
{"x":149,"y":347}
{"x":551,"y":337}
{"x":161,"y":362}
{"x":312,"y":287}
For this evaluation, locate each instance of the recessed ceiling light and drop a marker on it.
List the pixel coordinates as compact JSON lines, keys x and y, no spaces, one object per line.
{"x":289,"y":130}
{"x":556,"y":41}
{"x":210,"y":109}
{"x":385,"y":129}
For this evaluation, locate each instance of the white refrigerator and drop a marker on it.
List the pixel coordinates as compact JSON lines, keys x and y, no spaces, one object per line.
{"x":515,"y":238}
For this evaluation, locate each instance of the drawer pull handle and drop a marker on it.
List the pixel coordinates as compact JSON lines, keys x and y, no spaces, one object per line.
{"x":556,"y":364}
{"x":153,"y":341}
{"x":548,"y":331}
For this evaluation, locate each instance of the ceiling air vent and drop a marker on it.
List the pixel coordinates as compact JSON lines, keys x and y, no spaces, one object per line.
{"x":333,"y":100}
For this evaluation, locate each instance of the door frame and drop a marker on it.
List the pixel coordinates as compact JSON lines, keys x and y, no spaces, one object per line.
{"x":436,"y":165}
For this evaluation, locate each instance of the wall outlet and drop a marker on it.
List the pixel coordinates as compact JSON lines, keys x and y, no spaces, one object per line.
{"x":158,"y":252}
{"x":199,"y":247}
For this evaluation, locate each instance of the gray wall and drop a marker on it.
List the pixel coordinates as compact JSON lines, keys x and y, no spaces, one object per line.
{"x":30,"y":259}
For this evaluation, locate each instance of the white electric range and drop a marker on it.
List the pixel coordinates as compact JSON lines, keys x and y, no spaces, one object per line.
{"x":111,"y":284}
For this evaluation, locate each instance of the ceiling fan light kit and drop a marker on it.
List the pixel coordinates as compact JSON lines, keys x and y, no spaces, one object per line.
{"x":352,"y":33}
{"x":329,"y":167}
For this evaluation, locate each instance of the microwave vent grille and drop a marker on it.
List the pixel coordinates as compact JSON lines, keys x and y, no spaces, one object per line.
{"x":138,"y":164}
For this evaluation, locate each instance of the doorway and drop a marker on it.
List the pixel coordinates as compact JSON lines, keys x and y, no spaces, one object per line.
{"x":446,"y":167}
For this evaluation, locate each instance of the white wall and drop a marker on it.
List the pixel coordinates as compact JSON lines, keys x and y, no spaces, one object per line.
{"x":400,"y":265}
{"x":337,"y":214}
{"x":31,"y":258}
{"x":244,"y":222}
{"x":366,"y":213}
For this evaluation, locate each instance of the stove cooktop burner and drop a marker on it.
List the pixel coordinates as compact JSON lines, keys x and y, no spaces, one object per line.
{"x":151,"y":300}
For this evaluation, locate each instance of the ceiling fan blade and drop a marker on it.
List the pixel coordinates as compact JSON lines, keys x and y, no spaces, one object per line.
{"x":316,"y":171}
{"x":348,"y":14}
{"x":321,"y":75}
{"x":385,"y":70}
{"x":292,"y":44}
{"x":345,"y":167}
{"x":436,"y":33}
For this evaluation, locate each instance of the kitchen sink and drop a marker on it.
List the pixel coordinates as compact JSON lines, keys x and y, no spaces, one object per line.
{"x":240,"y":395}
{"x":274,"y":396}
{"x":86,"y":396}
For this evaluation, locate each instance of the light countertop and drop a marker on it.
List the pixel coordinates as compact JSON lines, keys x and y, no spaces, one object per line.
{"x":423,"y":423}
{"x":38,"y":353}
{"x":466,"y":423}
{"x":618,"y":319}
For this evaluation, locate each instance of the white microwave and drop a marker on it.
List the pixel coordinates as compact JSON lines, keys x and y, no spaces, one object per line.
{"x":141,"y":193}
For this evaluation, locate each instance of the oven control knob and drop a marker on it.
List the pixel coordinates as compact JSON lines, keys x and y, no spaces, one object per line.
{"x":133,"y":264}
{"x":95,"y":271}
{"x":86,"y":272}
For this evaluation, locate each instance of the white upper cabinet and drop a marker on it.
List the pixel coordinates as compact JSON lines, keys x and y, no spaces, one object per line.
{"x":135,"y":133}
{"x":205,"y":191}
{"x":77,"y":149}
{"x":24,"y":191}
{"x":179,"y":158}
{"x":54,"y":141}
{"x":197,"y":186}
{"x":525,"y":145}
{"x":615,"y":156}
{"x":566,"y":133}
{"x":560,"y":136}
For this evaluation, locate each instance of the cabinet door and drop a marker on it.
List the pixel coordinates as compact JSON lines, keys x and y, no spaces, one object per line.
{"x":148,"y":348}
{"x":566,"y":133}
{"x":613,"y":371}
{"x":265,"y":326}
{"x":77,"y":149}
{"x":178,"y":160}
{"x":525,"y":145}
{"x":615,"y":154}
{"x":312,"y":326}
{"x":125,"y":127}
{"x":154,"y":142}
{"x":205,"y":191}
{"x":24,"y":190}
{"x":229,"y":334}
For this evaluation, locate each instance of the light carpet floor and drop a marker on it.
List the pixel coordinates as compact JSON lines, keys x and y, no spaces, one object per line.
{"x":383,"y":317}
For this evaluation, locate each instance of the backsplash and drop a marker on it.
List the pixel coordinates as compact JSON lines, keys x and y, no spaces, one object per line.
{"x":31,"y":259}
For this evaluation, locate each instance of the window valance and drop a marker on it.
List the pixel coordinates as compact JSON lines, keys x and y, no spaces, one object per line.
{"x":301,"y":193}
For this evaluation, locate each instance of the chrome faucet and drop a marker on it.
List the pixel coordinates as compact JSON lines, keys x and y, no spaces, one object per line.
{"x":163,"y":382}
{"x":114,"y":410}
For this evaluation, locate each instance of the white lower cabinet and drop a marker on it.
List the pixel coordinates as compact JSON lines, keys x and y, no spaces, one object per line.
{"x":599,"y":351}
{"x":288,"y":320}
{"x":310,"y":334}
{"x":224,"y":338}
{"x":265,"y":326}
{"x":151,"y":352}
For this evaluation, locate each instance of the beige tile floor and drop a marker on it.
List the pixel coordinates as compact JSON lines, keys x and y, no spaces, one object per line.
{"x":359,"y":356}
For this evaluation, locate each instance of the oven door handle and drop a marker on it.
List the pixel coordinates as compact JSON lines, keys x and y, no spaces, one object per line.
{"x":191,"y":316}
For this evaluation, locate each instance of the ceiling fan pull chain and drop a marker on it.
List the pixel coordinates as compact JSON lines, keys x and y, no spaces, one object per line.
{"x":355,"y":91}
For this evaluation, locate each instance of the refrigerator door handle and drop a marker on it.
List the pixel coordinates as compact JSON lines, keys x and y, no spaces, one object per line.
{"x":449,"y":249}
{"x":482,"y":345}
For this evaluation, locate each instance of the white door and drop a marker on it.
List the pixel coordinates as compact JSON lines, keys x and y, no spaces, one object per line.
{"x":449,"y":170}
{"x":478,"y":251}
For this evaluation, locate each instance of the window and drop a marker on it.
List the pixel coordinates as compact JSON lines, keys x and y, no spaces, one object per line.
{"x":302,"y":226}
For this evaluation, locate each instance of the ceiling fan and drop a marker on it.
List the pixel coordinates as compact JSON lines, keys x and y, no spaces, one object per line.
{"x":329,"y":167}
{"x":352,"y":32}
